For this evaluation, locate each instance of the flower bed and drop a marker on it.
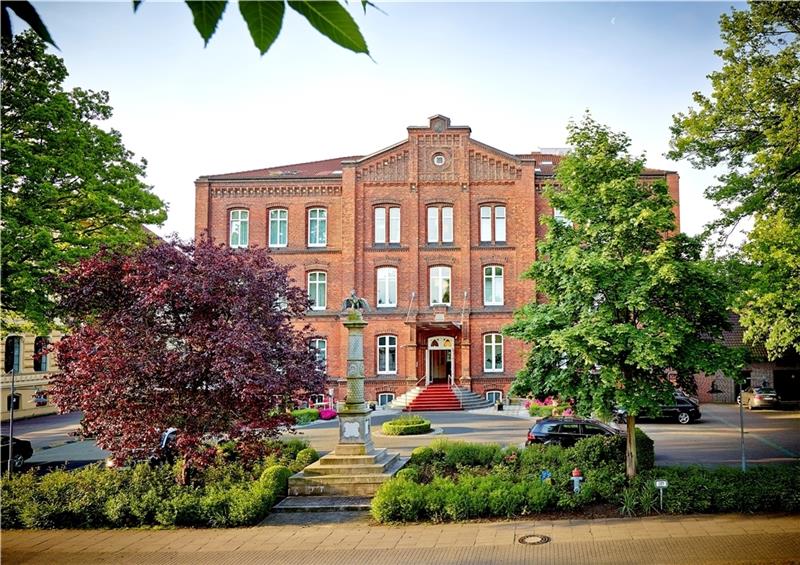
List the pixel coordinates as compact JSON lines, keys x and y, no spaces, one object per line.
{"x":226,"y":494}
{"x":407,"y":425}
{"x":460,"y":481}
{"x":327,"y":414}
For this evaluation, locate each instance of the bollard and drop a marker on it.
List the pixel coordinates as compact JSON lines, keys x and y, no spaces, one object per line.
{"x":577,"y":478}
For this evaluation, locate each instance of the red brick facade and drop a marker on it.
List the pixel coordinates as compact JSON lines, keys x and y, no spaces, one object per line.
{"x":438,"y":166}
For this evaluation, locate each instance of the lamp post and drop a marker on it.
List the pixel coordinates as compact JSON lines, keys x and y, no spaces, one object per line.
{"x":13,"y":400}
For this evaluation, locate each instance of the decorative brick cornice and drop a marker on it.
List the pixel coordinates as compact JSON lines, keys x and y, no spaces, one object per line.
{"x":262,"y":190}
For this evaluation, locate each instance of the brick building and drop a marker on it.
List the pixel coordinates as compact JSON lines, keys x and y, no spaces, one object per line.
{"x":434,"y":231}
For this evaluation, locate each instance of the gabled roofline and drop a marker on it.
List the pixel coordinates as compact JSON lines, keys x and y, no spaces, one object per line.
{"x":375,"y":154}
{"x":509,"y":156}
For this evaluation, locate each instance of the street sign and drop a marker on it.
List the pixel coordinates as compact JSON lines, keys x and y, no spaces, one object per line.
{"x":661,"y":483}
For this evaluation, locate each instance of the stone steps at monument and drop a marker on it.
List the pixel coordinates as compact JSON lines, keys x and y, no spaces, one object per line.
{"x":301,"y":484}
{"x":334,"y":459}
{"x":323,"y":504}
{"x":379,"y":465}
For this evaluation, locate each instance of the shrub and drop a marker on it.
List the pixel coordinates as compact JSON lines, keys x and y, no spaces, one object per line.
{"x":407,"y":425}
{"x":398,"y":500}
{"x":304,"y":458}
{"x":410,"y":474}
{"x":539,"y":411}
{"x":305,"y":415}
{"x":50,"y":507}
{"x":182,"y":508}
{"x":276,"y":480}
{"x":461,"y":454}
{"x":645,"y":454}
{"x":421,"y":455}
{"x":327,"y":414}
{"x":17,"y":494}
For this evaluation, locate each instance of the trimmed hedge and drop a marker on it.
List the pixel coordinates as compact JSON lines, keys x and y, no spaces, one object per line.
{"x":406,"y":426}
{"x":305,"y":416}
{"x":226,"y":494}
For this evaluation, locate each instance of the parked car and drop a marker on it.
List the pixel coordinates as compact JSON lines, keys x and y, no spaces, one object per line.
{"x":21,"y":451}
{"x":566,"y":431}
{"x":684,"y":410}
{"x":759,"y":397}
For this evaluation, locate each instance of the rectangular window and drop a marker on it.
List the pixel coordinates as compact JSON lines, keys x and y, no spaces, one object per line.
{"x":433,"y":225}
{"x":240,"y":230}
{"x":440,"y":286}
{"x":387,"y":287}
{"x":394,"y":225}
{"x":493,"y":353}
{"x":387,"y":354}
{"x":13,"y":353}
{"x":499,"y":223}
{"x":320,"y":347}
{"x":447,"y":225}
{"x":380,"y":225}
{"x":317,"y":290}
{"x":493,"y":286}
{"x":278,"y":228}
{"x":317,"y":227}
{"x":40,"y":353}
{"x":486,"y":223}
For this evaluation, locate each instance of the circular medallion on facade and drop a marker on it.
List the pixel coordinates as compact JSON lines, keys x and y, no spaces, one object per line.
{"x":438,"y":159}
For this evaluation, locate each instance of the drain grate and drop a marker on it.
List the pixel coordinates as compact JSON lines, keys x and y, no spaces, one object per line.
{"x":534,"y":539}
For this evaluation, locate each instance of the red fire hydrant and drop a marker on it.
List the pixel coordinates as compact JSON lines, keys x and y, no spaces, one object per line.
{"x":577,"y":478}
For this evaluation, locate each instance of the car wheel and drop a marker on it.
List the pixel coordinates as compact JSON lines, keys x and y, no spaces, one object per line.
{"x":684,"y":418}
{"x":739,"y":399}
{"x":19,"y":461}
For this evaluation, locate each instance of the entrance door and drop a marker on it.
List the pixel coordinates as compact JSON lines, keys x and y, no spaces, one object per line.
{"x":439,"y":360}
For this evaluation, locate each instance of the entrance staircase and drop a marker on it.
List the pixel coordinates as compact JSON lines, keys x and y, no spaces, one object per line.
{"x":439,"y":397}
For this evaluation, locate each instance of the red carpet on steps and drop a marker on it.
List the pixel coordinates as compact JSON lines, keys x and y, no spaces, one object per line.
{"x":435,"y":397}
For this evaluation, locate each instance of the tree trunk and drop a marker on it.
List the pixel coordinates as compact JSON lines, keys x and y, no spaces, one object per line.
{"x":630,"y":451}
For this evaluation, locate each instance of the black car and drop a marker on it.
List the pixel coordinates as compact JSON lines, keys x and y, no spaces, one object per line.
{"x":567,"y":431}
{"x":685,"y":410}
{"x":20,"y":452}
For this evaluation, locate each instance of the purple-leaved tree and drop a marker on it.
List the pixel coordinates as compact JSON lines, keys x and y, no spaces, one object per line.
{"x":196,"y":337}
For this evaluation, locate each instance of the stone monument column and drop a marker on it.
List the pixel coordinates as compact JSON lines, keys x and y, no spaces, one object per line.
{"x":354,"y":421}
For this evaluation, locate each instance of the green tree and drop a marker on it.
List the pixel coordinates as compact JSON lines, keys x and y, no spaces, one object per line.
{"x":264,"y":19}
{"x":622,"y":304}
{"x":750,"y":125}
{"x":68,"y":186}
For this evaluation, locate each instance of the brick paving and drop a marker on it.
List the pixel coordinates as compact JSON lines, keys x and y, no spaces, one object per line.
{"x":344,"y":538}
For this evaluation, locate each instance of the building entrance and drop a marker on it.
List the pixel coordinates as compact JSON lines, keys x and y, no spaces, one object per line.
{"x":439,"y":360}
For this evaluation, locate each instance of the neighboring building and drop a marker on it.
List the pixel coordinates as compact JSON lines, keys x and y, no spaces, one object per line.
{"x":26,"y":356}
{"x":434,"y":231}
{"x":783,"y":374}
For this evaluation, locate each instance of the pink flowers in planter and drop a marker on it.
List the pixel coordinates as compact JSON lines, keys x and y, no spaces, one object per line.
{"x":327,"y":414}
{"x":549,"y":401}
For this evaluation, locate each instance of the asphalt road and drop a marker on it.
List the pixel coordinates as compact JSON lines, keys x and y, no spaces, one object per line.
{"x":771,"y":436}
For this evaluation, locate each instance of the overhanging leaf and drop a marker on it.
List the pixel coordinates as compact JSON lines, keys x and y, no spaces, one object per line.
{"x":264,"y":20}
{"x":206,"y":16}
{"x":333,"y":21}
{"x":136,"y":5}
{"x":30,"y":16}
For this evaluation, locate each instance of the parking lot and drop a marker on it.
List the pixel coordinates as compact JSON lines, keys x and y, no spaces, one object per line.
{"x":771,"y":436}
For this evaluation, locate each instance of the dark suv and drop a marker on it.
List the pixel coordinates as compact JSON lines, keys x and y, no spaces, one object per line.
{"x":685,"y":410}
{"x":567,"y":431}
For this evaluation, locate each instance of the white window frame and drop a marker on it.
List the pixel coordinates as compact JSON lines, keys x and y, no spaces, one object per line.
{"x":317,"y":236}
{"x":380,"y":224}
{"x":436,"y":287}
{"x":385,"y":398}
{"x":496,"y":281}
{"x":16,"y":343}
{"x":386,"y":287}
{"x":433,"y":224}
{"x":278,"y":217}
{"x":486,"y":223}
{"x":394,"y":225}
{"x":494,"y":395}
{"x":320,"y":280}
{"x":559,"y":217}
{"x":386,"y":344}
{"x":320,"y":346}
{"x":499,"y":224}
{"x":490,"y":364}
{"x":447,"y":224}
{"x":240,"y":226}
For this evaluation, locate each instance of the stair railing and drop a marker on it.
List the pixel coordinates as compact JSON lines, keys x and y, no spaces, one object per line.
{"x":405,"y":402}
{"x":453,"y":387}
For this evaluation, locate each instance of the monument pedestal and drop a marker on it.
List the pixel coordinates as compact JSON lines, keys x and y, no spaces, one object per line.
{"x":354,"y":468}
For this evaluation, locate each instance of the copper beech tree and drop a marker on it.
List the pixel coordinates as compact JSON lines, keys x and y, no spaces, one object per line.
{"x":195,"y":337}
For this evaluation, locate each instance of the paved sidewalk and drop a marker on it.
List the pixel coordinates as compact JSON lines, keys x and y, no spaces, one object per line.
{"x":353,"y":538}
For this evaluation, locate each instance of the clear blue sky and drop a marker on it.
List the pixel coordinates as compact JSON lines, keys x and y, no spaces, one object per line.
{"x":514,"y":72}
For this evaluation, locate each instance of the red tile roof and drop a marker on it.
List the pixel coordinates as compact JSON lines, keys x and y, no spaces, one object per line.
{"x":312,"y":169}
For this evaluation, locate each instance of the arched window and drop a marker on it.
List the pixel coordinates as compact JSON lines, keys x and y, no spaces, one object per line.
{"x":493,"y":285}
{"x":494,"y":395}
{"x":318,"y":289}
{"x":440,"y":286}
{"x":239,"y":228}
{"x":385,"y":398}
{"x":387,"y":354}
{"x":40,"y":353}
{"x":387,"y":287}
{"x":278,"y":227}
{"x":317,"y":227}
{"x":13,"y":353}
{"x":493,"y":353}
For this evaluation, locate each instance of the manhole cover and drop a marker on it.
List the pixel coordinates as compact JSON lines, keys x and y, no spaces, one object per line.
{"x":534,"y":539}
